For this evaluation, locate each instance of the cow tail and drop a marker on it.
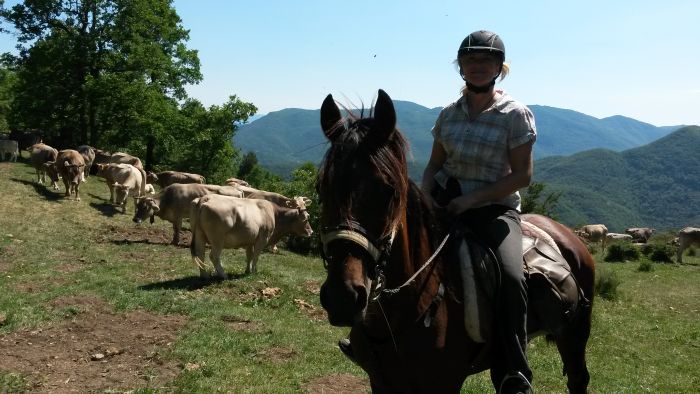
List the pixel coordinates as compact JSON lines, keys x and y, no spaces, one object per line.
{"x":142,"y":192}
{"x":194,"y":226}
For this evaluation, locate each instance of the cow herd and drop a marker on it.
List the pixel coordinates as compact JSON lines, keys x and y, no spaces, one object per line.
{"x":594,"y":233}
{"x":234,"y":215}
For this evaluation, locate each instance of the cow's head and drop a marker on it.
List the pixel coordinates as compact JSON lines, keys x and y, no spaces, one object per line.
{"x":151,"y":177}
{"x":74,"y":172}
{"x":51,"y":170}
{"x":101,"y":169}
{"x":122,"y":192}
{"x":301,"y":226}
{"x":145,"y":208}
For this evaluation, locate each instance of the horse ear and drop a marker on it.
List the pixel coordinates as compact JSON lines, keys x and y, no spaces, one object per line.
{"x":384,"y":116}
{"x":330,"y":116}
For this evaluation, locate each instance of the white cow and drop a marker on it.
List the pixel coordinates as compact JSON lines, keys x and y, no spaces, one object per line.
{"x":9,"y":147}
{"x":593,"y":233}
{"x":686,"y":237}
{"x":228,"y":223}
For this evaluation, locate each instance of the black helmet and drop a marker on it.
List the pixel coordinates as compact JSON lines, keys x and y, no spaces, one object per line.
{"x":483,"y":41}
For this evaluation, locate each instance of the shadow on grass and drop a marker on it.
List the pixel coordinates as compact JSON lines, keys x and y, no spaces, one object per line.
{"x":105,"y":208}
{"x":188,"y":283}
{"x":44,"y":191}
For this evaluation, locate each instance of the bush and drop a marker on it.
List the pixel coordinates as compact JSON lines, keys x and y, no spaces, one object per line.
{"x":645,"y":266}
{"x":622,"y":252}
{"x":662,"y":253}
{"x":606,"y":283}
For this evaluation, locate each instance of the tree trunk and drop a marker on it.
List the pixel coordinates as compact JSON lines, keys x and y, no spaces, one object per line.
{"x":150,"y":147}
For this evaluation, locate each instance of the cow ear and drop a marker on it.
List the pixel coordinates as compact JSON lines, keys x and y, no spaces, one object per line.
{"x":307,"y":201}
{"x":330,"y":118}
{"x":384,"y":117}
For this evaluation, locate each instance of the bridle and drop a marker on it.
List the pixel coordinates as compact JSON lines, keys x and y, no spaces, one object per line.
{"x":353,"y":231}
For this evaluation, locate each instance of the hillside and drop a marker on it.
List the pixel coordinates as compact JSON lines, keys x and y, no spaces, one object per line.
{"x":655,"y":185}
{"x":283,"y":140}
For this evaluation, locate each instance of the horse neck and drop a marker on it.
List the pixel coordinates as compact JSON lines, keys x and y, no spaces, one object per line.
{"x":411,"y":250}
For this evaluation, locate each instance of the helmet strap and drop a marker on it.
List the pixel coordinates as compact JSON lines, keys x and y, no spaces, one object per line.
{"x":480,"y":89}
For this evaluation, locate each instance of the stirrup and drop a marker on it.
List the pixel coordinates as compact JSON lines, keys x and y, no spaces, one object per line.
{"x":521,"y":378}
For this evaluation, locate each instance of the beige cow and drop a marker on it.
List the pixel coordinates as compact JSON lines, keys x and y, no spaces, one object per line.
{"x":123,"y":180}
{"x":640,"y":234}
{"x":167,"y":178}
{"x":593,"y":233}
{"x":687,"y":237}
{"x":39,"y":155}
{"x":227,"y":223}
{"x":173,"y":203}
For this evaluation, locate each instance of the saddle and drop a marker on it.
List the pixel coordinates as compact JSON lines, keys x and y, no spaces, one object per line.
{"x":551,"y":285}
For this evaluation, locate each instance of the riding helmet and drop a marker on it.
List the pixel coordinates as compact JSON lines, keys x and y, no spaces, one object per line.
{"x":483,"y":41}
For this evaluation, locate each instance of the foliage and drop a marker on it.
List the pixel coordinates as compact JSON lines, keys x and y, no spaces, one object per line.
{"x":248,"y":163}
{"x":662,"y":254}
{"x":112,"y":74}
{"x":645,"y":266}
{"x":606,"y":284}
{"x":622,"y":252}
{"x":7,"y":81}
{"x":533,"y":200}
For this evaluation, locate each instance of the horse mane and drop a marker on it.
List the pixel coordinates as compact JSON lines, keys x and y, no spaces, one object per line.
{"x":352,"y":139}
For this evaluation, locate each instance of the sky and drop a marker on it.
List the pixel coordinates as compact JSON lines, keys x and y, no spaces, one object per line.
{"x":635,"y":58}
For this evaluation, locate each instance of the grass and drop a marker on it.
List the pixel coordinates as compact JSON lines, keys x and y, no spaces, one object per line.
{"x":645,"y":340}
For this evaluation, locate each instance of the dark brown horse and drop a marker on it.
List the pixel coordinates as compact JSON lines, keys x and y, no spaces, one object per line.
{"x":377,"y":232}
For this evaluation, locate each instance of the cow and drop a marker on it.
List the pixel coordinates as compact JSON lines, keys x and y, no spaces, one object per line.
{"x":640,"y":234}
{"x":9,"y":147}
{"x":279,"y":199}
{"x":123,"y":180}
{"x":228,"y":223}
{"x":150,"y":189}
{"x":236,"y":181}
{"x":121,"y":157}
{"x":69,"y":165}
{"x":39,"y":155}
{"x":686,"y":237}
{"x":104,"y":157}
{"x":593,"y":233}
{"x":173,"y":203}
{"x":88,"y":154}
{"x":612,"y":238}
{"x":167,"y":178}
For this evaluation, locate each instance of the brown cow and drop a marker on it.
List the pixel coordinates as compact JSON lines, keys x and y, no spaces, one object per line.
{"x":640,"y":234}
{"x":227,"y":223}
{"x":69,"y":165}
{"x":687,"y":237}
{"x":593,"y":233}
{"x":173,"y":203}
{"x":125,"y":158}
{"x":167,"y":178}
{"x":88,"y":154}
{"x":40,"y":154}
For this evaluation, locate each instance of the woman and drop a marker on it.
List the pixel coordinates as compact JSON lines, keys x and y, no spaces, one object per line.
{"x":483,"y":148}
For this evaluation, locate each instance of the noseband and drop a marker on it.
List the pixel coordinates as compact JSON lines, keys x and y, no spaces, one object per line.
{"x":355,"y":233}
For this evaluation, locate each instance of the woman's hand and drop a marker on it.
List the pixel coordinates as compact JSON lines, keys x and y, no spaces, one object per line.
{"x":460,"y":204}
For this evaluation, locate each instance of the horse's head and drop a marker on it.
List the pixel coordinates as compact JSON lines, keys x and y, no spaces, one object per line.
{"x":362,"y":186}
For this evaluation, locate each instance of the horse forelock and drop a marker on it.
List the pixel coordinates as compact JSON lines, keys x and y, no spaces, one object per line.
{"x":353,"y":146}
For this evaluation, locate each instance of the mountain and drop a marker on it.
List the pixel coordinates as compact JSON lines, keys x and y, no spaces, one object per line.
{"x":283,"y":140}
{"x":654,"y":185}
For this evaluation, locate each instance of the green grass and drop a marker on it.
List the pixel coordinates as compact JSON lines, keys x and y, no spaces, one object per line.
{"x":646,"y":340}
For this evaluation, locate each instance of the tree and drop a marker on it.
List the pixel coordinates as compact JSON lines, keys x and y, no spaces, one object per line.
{"x":7,"y":81}
{"x":99,"y":70}
{"x":533,"y":200}
{"x":249,"y":162}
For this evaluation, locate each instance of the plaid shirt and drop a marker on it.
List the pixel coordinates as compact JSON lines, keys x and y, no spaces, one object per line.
{"x":477,"y":150}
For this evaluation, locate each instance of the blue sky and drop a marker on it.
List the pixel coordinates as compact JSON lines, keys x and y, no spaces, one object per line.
{"x":636,"y":58}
